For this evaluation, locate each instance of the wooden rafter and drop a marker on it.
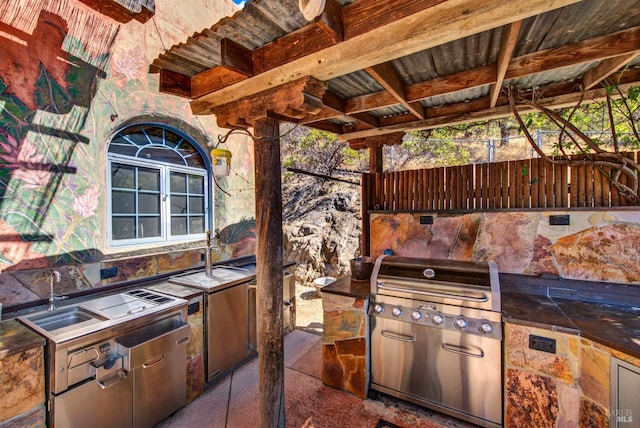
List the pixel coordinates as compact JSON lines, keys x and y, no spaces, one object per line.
{"x":607,"y":67}
{"x":620,"y":43}
{"x":387,"y":37}
{"x":389,"y":79}
{"x":507,"y":45}
{"x":557,"y":96}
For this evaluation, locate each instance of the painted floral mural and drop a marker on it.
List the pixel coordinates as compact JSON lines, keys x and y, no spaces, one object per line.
{"x":69,"y":79}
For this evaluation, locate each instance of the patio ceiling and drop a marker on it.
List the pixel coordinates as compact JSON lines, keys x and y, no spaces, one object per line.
{"x":368,"y":70}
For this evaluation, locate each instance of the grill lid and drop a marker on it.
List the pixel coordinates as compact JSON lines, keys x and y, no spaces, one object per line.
{"x":457,"y":282}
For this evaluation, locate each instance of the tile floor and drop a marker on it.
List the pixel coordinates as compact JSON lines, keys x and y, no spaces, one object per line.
{"x":233,"y":403}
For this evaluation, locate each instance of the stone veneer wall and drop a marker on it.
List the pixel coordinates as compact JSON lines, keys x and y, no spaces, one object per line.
{"x":24,"y":286}
{"x":22,"y":389}
{"x":344,"y":345}
{"x":597,"y":245}
{"x":570,"y":388}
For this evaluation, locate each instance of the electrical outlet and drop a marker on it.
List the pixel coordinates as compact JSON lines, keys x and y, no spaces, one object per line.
{"x":108,"y":272}
{"x":426,"y":219}
{"x":544,"y":344}
{"x":559,"y":220}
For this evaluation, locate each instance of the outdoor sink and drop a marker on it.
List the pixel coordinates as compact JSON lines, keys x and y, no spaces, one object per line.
{"x":64,"y":318}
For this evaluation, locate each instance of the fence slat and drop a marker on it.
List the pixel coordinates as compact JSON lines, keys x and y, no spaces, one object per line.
{"x":522,"y":184}
{"x":597,"y":186}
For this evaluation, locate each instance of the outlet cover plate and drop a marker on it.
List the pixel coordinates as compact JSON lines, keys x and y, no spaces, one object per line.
{"x":544,"y":344}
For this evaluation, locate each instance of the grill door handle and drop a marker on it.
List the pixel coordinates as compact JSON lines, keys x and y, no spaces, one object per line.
{"x":397,"y":336}
{"x":113,"y":380}
{"x":484,"y":297}
{"x":462,"y":350}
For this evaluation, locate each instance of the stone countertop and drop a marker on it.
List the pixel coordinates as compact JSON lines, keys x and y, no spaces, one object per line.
{"x":15,"y":338}
{"x":349,"y":287}
{"x":614,"y":325}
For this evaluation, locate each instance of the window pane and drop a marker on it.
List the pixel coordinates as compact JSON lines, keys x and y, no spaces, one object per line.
{"x":148,"y":203}
{"x":123,"y":147}
{"x":123,"y":227}
{"x":196,"y":225}
{"x":178,"y":204}
{"x":196,"y":184}
{"x":123,"y":202}
{"x":178,"y":183}
{"x":162,"y":154}
{"x":149,"y":227}
{"x":123,"y":176}
{"x":148,"y":179}
{"x":196,"y":205}
{"x":178,"y":225}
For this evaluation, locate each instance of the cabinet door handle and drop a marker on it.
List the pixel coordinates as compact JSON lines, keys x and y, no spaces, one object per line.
{"x":152,"y":363}
{"x":462,"y":350}
{"x":397,"y":336}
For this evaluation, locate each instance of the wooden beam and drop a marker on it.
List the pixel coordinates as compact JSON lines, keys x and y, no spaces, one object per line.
{"x":606,"y":68}
{"x":415,"y":32}
{"x":376,"y":159}
{"x":124,"y":11}
{"x":596,"y":49}
{"x":389,"y":79}
{"x":214,"y":79}
{"x":485,"y":75}
{"x":558,"y":96}
{"x":175,"y":83}
{"x":361,"y":17}
{"x":236,"y":57}
{"x":269,"y":273}
{"x":391,"y":139}
{"x":507,"y":45}
{"x":294,"y":101}
{"x":293,"y":46}
{"x":330,"y":20}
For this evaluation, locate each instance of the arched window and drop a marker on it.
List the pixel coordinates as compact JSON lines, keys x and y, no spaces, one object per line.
{"x":158,"y":186}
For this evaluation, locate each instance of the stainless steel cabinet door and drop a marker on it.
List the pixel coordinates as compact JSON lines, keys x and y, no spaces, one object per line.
{"x":159,"y":387}
{"x":399,"y":356}
{"x":104,"y":404}
{"x":465,"y":373}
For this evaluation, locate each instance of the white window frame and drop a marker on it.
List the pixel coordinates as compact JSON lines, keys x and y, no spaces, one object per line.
{"x":165,"y":200}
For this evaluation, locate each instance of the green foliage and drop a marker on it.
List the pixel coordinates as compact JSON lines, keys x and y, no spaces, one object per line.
{"x":316,"y":149}
{"x":441,"y":152}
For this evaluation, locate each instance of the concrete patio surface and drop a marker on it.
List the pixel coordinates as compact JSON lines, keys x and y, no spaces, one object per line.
{"x":233,"y":402}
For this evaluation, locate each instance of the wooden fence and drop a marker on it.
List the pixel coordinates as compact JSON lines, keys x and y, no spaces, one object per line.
{"x":522,"y":184}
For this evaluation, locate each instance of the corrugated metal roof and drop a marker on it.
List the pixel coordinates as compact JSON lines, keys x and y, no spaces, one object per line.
{"x":263,"y":21}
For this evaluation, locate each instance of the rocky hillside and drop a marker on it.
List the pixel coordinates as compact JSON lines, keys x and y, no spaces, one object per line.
{"x":322,"y":225}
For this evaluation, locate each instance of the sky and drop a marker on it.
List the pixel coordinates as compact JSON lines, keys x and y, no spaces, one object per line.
{"x":239,"y":2}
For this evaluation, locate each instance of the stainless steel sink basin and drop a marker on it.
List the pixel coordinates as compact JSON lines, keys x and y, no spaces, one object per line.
{"x":63,"y":318}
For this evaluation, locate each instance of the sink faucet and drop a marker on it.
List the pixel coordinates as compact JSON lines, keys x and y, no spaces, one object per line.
{"x":208,"y":262}
{"x":55,"y":275}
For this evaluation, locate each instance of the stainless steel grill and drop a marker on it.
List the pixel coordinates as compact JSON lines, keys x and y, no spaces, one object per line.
{"x":436,"y":335}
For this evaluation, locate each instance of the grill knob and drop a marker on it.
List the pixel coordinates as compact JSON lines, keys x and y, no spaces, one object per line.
{"x":437,"y":319}
{"x":485,"y":327}
{"x":397,"y":312}
{"x":417,"y":316}
{"x":429,"y":273}
{"x":460,"y":323}
{"x":378,"y":308}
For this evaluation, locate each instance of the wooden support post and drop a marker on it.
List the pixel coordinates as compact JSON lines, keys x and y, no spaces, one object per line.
{"x":269,"y":272}
{"x":375,"y":158}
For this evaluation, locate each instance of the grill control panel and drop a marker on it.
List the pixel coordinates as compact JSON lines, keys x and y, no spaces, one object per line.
{"x":430,"y":316}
